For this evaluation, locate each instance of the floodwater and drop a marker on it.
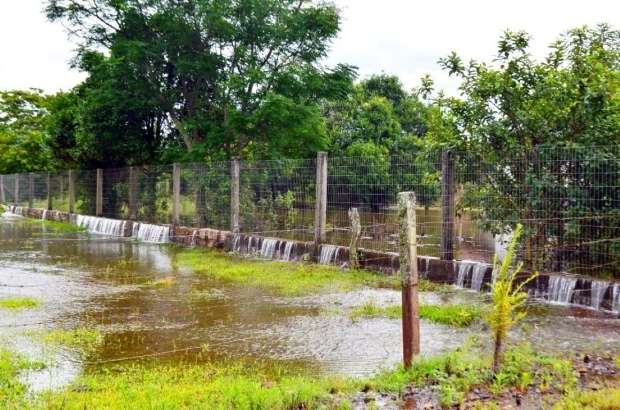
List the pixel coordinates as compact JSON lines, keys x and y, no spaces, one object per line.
{"x":88,"y":281}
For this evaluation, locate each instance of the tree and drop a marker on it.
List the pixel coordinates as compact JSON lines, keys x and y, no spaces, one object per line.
{"x":528,"y":125}
{"x":238,"y":77}
{"x":23,"y":141}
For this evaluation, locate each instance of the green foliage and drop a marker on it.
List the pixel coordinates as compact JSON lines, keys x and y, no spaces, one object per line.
{"x":507,"y":297}
{"x":82,"y":339}
{"x":461,"y":315}
{"x":605,"y":398}
{"x":23,"y":141}
{"x":12,"y":390}
{"x":284,"y":278}
{"x":19,"y":303}
{"x":202,"y":78}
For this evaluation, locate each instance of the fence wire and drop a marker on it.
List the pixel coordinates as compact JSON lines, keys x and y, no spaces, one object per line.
{"x":568,"y":200}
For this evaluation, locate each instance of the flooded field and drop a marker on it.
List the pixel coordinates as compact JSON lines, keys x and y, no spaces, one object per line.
{"x":145,"y":305}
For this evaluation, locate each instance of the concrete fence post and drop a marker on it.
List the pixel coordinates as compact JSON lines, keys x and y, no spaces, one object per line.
{"x":320,"y":210}
{"x":48,"y":183}
{"x":16,"y":190}
{"x":447,"y":207}
{"x":71,"y":191}
{"x":133,"y":198}
{"x":2,"y":196}
{"x":409,"y":276}
{"x":234,"y":195}
{"x":30,"y":190}
{"x":99,"y":193}
{"x":176,"y":193}
{"x":356,"y":231}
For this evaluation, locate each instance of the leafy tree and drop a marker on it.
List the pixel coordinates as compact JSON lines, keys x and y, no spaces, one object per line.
{"x":237,"y":77}
{"x":526,"y":124}
{"x":23,"y":141}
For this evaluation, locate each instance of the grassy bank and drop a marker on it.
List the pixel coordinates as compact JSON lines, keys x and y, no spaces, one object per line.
{"x":460,"y":315}
{"x":285,"y":278}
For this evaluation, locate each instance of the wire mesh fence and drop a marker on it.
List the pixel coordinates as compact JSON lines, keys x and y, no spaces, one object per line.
{"x":567,"y":199}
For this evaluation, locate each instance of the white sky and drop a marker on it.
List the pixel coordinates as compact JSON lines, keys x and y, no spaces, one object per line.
{"x":403,"y":37}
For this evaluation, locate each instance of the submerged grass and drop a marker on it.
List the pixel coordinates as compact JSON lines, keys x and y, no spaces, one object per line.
{"x":286,"y":278}
{"x":460,"y":315}
{"x":83,"y":339}
{"x":12,"y":390}
{"x":161,"y":283}
{"x":19,"y":303}
{"x":55,"y":226}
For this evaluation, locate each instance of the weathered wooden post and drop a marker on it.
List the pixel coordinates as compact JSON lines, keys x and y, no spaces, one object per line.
{"x":30,"y":190}
{"x":409,"y":276}
{"x":176,"y":193}
{"x":234,"y":195}
{"x":71,"y":191}
{"x":447,"y":207}
{"x":99,"y":193}
{"x":2,"y":196}
{"x":320,"y":210}
{"x":48,"y":183}
{"x":133,"y":185}
{"x":356,"y":231}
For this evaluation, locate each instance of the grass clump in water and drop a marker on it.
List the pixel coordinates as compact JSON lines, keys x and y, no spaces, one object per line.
{"x":286,"y":278}
{"x":459,"y":315}
{"x":82,"y":339}
{"x":161,"y":283}
{"x":19,"y":303}
{"x":12,"y":390}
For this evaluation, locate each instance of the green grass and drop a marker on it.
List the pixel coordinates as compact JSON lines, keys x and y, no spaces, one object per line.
{"x":83,"y":339}
{"x":19,"y":303}
{"x":459,"y":315}
{"x":205,"y":386}
{"x":604,"y":399}
{"x":12,"y":390}
{"x":55,"y":226}
{"x":161,"y":283}
{"x":285,"y":278}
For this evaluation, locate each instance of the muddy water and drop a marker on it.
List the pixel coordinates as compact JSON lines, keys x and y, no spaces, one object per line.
{"x":103,"y":283}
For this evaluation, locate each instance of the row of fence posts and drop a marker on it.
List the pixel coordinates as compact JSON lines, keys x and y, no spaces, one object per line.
{"x":320,"y":217}
{"x":406,"y":215}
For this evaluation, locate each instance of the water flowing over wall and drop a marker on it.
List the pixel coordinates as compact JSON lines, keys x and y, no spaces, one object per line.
{"x":101,"y":226}
{"x":151,"y":233}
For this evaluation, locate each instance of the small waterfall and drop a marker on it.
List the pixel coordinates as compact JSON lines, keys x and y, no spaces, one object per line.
{"x":477,"y":276}
{"x":616,"y":299}
{"x":427,"y":265}
{"x":236,"y":243}
{"x":561,"y":289}
{"x":465,"y":268}
{"x":597,"y":292}
{"x":44,"y":215}
{"x":288,"y":249}
{"x":328,"y":254}
{"x":194,"y":236}
{"x":101,"y":226}
{"x":268,"y":248}
{"x":16,"y":210}
{"x":151,"y":233}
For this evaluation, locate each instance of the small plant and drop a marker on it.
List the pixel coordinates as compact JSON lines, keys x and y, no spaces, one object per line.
{"x":506,"y":297}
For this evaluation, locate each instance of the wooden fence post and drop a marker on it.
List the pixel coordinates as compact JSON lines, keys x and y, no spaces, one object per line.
{"x":48,"y":182}
{"x":71,"y":191}
{"x":16,"y":190}
{"x":447,"y":207}
{"x":30,"y":190}
{"x":320,"y":210}
{"x":2,"y":196}
{"x":176,"y":193}
{"x":234,"y":196}
{"x":133,"y":185}
{"x":409,"y":276}
{"x":356,"y":231}
{"x":99,"y":194}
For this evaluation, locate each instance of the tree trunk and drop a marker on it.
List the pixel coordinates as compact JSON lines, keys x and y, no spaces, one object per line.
{"x":497,"y":354}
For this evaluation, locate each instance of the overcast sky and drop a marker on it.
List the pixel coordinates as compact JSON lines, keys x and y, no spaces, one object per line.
{"x":403,"y":37}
